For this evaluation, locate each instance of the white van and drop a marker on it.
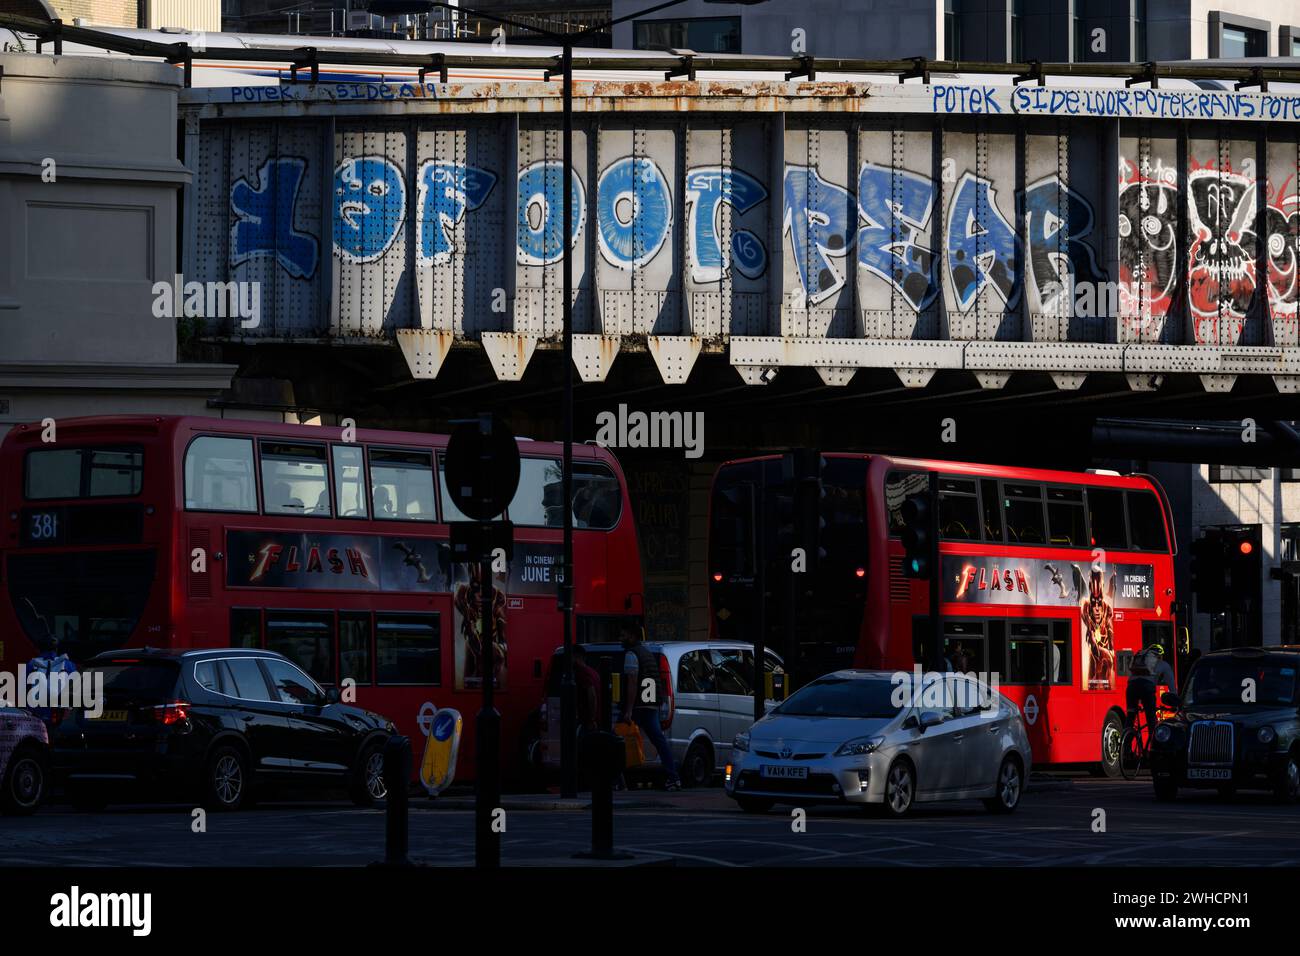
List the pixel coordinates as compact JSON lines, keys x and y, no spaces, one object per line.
{"x":709,"y":699}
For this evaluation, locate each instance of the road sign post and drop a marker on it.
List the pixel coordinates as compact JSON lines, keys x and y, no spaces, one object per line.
{"x":482,"y":467}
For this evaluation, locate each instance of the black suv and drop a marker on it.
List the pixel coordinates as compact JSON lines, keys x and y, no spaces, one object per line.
{"x":1238,"y":726}
{"x":213,"y":724}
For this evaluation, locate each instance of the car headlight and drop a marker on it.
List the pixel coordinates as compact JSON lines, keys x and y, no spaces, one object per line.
{"x":1164,"y":734}
{"x":741,"y":742}
{"x":858,"y":746}
{"x":1266,"y":735}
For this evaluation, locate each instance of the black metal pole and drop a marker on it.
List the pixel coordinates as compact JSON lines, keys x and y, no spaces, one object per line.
{"x":760,"y":580}
{"x":487,"y":842}
{"x":397,"y":776}
{"x":568,"y":715}
{"x":936,"y":576}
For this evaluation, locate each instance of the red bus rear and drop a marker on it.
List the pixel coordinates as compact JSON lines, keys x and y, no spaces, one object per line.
{"x":1050,"y":579}
{"x":201,"y":532}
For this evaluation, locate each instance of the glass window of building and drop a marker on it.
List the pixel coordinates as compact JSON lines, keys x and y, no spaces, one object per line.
{"x":703,"y":35}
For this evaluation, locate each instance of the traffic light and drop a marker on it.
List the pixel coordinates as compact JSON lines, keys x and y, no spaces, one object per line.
{"x":1210,"y":571}
{"x":1243,"y":565}
{"x":918,"y":535}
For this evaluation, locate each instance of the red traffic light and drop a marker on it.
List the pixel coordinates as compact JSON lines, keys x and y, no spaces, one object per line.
{"x":1246,"y":547}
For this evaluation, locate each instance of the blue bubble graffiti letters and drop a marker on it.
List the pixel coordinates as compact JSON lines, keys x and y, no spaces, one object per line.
{"x":264,"y":218}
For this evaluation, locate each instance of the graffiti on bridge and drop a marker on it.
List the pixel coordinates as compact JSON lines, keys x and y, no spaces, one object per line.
{"x":888,"y":222}
{"x":1222,"y":246}
{"x":894,"y":208}
{"x":634,"y":213}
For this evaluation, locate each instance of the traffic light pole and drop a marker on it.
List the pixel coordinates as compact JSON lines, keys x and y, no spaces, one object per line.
{"x":936,"y":575}
{"x":760,"y":582}
{"x":487,"y":841}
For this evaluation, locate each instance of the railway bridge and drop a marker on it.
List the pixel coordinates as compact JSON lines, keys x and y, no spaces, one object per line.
{"x":1146,"y":233}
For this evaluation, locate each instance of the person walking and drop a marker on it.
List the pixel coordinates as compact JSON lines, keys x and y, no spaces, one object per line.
{"x":644,"y":692}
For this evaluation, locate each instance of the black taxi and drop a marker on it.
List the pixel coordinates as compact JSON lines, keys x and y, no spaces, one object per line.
{"x":1237,"y":726}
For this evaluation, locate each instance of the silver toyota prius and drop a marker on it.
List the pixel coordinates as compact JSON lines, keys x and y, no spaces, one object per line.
{"x":888,"y":739}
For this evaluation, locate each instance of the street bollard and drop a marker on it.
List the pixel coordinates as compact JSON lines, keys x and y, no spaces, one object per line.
{"x":602,"y":754}
{"x":397,"y":775}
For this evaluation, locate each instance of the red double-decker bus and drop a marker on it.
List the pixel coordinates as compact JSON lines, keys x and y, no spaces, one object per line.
{"x":1050,"y":580}
{"x":203,"y":532}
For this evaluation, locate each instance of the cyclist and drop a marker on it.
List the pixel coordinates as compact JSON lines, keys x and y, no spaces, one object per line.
{"x":1148,"y":671}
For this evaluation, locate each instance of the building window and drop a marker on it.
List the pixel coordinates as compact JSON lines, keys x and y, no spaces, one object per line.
{"x":1225,"y":474}
{"x":1017,"y":31}
{"x":703,"y":35}
{"x":951,"y":30}
{"x":1288,"y":41}
{"x":1139,"y":31}
{"x":1234,"y":37}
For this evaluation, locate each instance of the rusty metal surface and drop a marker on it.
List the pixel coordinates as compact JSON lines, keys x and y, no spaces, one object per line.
{"x":839,"y":224}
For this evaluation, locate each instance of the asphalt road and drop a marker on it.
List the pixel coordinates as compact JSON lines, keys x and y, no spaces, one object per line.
{"x":1057,"y":824}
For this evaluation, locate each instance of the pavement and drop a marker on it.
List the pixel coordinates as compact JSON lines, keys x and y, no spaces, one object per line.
{"x":1061,"y":822}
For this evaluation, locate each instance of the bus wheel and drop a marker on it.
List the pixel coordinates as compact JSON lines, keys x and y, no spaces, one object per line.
{"x":1112,"y":736}
{"x":368,"y":786}
{"x":226,"y":781}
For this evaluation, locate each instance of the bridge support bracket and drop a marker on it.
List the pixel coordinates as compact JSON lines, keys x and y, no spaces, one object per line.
{"x":424,"y":350}
{"x":594,"y":354}
{"x":675,"y":355}
{"x":509,"y":353}
{"x":836,"y":375}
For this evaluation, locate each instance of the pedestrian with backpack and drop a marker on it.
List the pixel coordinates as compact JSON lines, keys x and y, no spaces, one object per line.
{"x":644,"y":692}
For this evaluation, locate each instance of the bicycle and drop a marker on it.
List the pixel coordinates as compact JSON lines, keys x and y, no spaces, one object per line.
{"x":1133,"y":745}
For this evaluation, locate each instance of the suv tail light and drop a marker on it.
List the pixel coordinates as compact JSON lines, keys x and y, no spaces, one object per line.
{"x":172,"y":712}
{"x":666,"y":705}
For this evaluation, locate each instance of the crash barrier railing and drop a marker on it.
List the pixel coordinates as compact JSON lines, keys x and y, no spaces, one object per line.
{"x":674,"y":65}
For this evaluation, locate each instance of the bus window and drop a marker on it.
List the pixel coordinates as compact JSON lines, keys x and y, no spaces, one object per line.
{"x":899,"y":486}
{"x":293,"y":479}
{"x":597,"y":500}
{"x":306,"y":638}
{"x":1106,"y":519}
{"x":1146,"y":526}
{"x":991,"y":503}
{"x":449,"y":510}
{"x":219,"y":475}
{"x":245,"y":627}
{"x":528,"y":506}
{"x":1029,"y":654}
{"x":1065,"y":517}
{"x":408,"y":649}
{"x":349,"y":481}
{"x":959,"y":513}
{"x":965,"y":648}
{"x":1060,"y":661}
{"x":354,"y":647}
{"x":401,"y":483}
{"x":1023,"y":504}
{"x":55,"y":473}
{"x":83,"y":473}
